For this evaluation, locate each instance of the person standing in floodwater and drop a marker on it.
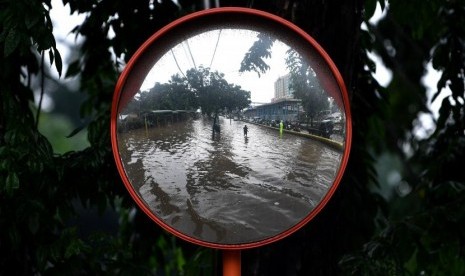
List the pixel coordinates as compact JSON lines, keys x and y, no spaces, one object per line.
{"x":245,"y":130}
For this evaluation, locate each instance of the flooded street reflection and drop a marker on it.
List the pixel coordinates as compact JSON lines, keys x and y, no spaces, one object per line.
{"x":227,"y":189}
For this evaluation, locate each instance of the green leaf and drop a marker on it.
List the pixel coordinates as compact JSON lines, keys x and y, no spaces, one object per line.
{"x":73,"y":69}
{"x":74,"y":248}
{"x":11,"y":42}
{"x":58,"y":61}
{"x":12,"y":182}
{"x":370,"y":8}
{"x":41,"y":256}
{"x":440,"y":57}
{"x":13,"y":235}
{"x":77,"y":130}
{"x":51,"y":56}
{"x":31,"y":20}
{"x":34,"y":223}
{"x":3,"y":164}
{"x":383,"y":4}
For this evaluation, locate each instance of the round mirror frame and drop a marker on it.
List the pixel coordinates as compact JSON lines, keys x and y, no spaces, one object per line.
{"x":146,"y":56}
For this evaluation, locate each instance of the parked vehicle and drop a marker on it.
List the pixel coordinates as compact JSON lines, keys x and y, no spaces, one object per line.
{"x":324,"y":129}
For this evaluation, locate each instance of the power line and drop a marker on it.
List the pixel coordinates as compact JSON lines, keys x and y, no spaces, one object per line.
{"x":186,"y":53}
{"x":216,"y":46}
{"x":190,"y":53}
{"x":177,"y":64}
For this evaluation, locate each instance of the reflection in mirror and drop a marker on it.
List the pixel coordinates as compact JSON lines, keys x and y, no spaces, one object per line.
{"x":231,"y":138}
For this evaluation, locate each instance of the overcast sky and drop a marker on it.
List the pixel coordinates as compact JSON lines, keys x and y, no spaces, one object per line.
{"x":231,"y":46}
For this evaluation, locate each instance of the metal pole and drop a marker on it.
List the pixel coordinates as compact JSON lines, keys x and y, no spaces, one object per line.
{"x":231,"y":262}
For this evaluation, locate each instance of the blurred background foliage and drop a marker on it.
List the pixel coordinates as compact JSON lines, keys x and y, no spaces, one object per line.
{"x":399,"y":209}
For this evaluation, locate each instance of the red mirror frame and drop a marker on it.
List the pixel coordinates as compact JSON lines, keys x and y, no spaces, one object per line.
{"x":145,"y":57}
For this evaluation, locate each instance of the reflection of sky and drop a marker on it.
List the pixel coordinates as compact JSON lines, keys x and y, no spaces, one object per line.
{"x":232,"y":46}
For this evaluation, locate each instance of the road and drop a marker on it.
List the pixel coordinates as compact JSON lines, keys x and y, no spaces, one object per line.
{"x":227,"y":188}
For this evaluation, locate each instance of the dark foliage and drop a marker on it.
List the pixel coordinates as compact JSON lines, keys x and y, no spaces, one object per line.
{"x":69,"y":213}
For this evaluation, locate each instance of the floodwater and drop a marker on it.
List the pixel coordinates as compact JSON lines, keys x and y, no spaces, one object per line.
{"x":227,"y":189}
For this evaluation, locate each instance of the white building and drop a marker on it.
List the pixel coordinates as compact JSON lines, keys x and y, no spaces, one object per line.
{"x":281,"y":88}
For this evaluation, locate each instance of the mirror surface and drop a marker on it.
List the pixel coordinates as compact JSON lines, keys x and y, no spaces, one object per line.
{"x":201,"y":140}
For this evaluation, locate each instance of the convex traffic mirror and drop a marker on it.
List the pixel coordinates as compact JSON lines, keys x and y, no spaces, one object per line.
{"x":231,"y":128}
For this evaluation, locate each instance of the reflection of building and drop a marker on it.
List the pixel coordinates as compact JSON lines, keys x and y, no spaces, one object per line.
{"x":282,"y":109}
{"x":281,"y":88}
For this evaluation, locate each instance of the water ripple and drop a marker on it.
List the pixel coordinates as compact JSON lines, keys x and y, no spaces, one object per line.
{"x":227,"y":188}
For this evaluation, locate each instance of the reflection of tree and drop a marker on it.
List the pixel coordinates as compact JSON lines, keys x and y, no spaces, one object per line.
{"x":305,"y":85}
{"x":303,"y":79}
{"x":173,"y":95}
{"x":131,"y":148}
{"x":214,"y":93}
{"x":201,"y":88}
{"x":261,"y":49}
{"x":200,"y":222}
